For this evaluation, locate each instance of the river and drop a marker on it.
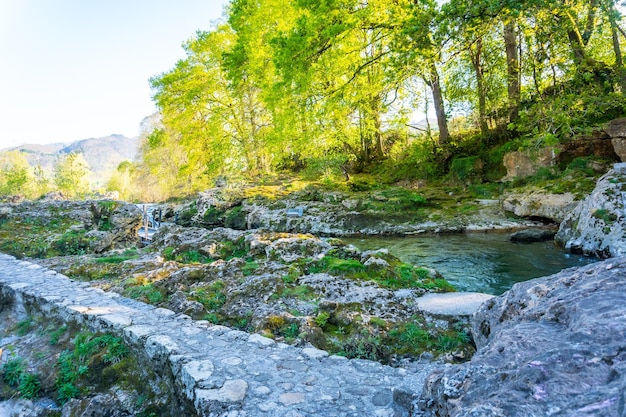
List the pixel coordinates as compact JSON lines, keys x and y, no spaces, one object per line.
{"x":482,"y":262}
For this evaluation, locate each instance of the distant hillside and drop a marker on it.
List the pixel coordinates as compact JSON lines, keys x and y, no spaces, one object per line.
{"x":102,"y":154}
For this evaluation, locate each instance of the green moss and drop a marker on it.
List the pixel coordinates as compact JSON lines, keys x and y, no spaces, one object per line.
{"x":605,"y":215}
{"x":236,"y":218}
{"x":233,"y":249}
{"x":322,"y":318}
{"x":301,"y":292}
{"x":211,"y":296}
{"x":117,"y":259}
{"x":146,"y":293}
{"x":249,"y":268}
{"x":72,"y":243}
{"x":336,"y":266}
{"x":213,"y":216}
{"x":185,"y":257}
{"x":25,"y":326}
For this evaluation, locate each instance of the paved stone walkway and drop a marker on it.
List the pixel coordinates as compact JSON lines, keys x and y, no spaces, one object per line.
{"x":223,"y":372}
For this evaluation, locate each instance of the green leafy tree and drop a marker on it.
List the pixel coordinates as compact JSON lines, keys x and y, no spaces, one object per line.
{"x":16,"y":175}
{"x":71,"y":175}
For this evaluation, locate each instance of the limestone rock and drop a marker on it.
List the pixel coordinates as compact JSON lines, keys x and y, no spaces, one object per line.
{"x":539,"y":203}
{"x":598,"y":224}
{"x":179,"y":303}
{"x":526,"y":163}
{"x":597,"y":144}
{"x":549,"y":346}
{"x":99,"y":241}
{"x":616,"y":129}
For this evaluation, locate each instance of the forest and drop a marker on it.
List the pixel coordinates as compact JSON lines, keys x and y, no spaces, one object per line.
{"x":380,"y":91}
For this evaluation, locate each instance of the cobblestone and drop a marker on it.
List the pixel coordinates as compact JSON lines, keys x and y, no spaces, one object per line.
{"x":222,"y":372}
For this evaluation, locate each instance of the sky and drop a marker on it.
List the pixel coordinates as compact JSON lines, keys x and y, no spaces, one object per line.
{"x":78,"y":69}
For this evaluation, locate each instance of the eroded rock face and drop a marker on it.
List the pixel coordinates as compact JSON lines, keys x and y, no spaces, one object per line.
{"x":539,"y":203}
{"x":617,"y":131}
{"x":526,"y":163}
{"x":550,"y":346}
{"x":597,"y":226}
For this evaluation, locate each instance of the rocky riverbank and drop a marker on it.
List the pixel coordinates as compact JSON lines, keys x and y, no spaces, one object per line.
{"x":549,"y":346}
{"x":597,"y":226}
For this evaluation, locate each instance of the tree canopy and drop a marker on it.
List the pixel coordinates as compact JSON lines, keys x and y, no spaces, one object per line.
{"x":342,"y":85}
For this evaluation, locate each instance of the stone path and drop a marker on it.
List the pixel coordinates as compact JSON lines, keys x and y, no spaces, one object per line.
{"x":223,"y":372}
{"x":452,"y":303}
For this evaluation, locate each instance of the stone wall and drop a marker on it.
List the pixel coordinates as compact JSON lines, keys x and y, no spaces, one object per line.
{"x":214,"y":370}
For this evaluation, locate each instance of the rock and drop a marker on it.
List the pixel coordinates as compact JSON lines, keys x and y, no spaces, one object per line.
{"x":598,"y":145}
{"x":537,"y":203}
{"x":179,"y":303}
{"x":526,"y":163}
{"x":597,"y":226}
{"x":288,"y":249}
{"x":616,"y":129}
{"x":533,"y":235}
{"x":24,"y":408}
{"x":99,"y":405}
{"x":126,"y":221}
{"x":99,"y":241}
{"x":452,"y":304}
{"x":549,"y":346}
{"x":619,"y":145}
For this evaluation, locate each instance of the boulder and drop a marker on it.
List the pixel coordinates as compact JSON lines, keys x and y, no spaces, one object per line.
{"x":533,"y":235}
{"x":549,"y":346}
{"x":597,"y":226}
{"x":616,"y":129}
{"x":537,"y":203}
{"x":526,"y":163}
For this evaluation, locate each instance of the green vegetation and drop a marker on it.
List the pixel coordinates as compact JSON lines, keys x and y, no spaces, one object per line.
{"x":146,"y":293}
{"x":117,"y":259}
{"x":394,"y":274}
{"x":78,"y":364}
{"x":92,"y":352}
{"x":322,"y":78}
{"x":606,"y":216}
{"x":12,"y":371}
{"x":210,"y":296}
{"x":328,"y":92}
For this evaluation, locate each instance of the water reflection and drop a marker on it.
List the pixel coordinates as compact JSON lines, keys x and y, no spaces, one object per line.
{"x":483,"y":262}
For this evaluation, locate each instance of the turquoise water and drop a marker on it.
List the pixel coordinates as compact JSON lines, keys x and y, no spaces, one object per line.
{"x":482,"y":262}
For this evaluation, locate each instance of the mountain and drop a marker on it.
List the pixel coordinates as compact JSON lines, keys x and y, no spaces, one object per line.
{"x":102,"y":154}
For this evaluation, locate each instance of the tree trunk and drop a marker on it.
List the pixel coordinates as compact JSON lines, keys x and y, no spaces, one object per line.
{"x":476,"y":58}
{"x":512,"y":68}
{"x":442,"y":121}
{"x":619,"y":63}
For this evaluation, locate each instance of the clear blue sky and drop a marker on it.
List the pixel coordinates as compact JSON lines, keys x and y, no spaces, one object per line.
{"x":77,"y":69}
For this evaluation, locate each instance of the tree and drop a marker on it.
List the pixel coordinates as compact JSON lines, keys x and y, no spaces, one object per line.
{"x":16,"y":176}
{"x":71,"y":175}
